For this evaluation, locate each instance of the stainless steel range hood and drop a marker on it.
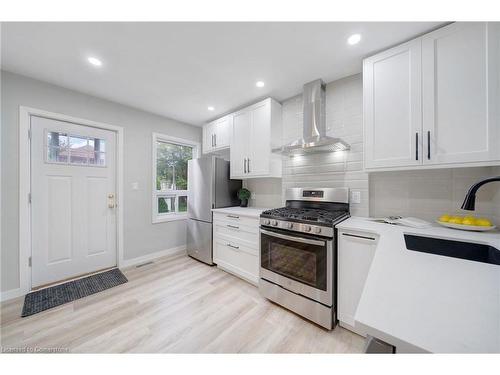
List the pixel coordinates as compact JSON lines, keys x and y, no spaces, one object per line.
{"x":314,"y":138}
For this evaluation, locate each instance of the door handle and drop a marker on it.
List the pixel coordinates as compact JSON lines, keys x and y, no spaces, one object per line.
{"x":111,"y":201}
{"x":428,"y":145}
{"x":245,"y":165}
{"x":416,"y":144}
{"x":215,"y":139}
{"x":248,"y":165}
{"x":358,"y":236}
{"x":293,"y":238}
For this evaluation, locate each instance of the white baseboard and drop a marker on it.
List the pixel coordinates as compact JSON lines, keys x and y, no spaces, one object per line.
{"x":14,"y":293}
{"x":11,"y":294}
{"x":152,"y":256}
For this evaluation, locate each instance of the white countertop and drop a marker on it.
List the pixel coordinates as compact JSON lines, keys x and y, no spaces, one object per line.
{"x":243,"y":211}
{"x":434,"y":303}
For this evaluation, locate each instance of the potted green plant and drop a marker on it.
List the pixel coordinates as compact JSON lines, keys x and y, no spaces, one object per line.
{"x":244,"y":196}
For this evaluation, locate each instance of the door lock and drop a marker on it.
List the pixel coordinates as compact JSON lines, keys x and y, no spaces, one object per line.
{"x":111,"y":200}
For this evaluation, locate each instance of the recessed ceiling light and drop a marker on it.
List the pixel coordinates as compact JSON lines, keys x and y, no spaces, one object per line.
{"x":259,"y":84}
{"x":354,"y":39}
{"x":94,"y":61}
{"x":210,"y":108}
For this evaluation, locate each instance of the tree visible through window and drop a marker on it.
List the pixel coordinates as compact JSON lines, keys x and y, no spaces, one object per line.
{"x":171,"y":176}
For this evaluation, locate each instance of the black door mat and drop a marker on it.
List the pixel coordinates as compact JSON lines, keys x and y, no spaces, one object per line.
{"x":48,"y":298}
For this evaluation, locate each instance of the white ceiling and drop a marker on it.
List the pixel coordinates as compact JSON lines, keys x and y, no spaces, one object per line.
{"x":178,"y":69}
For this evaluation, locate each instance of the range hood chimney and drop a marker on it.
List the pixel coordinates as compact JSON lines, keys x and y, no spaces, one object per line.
{"x":314,"y":138}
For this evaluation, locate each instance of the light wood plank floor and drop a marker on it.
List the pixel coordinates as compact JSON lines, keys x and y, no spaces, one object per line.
{"x":176,"y":305}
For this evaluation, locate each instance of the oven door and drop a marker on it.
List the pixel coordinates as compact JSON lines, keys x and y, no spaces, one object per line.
{"x":299,"y":263}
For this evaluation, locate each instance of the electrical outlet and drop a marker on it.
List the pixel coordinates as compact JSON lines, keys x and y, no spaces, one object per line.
{"x":355,"y":197}
{"x":252,"y":196}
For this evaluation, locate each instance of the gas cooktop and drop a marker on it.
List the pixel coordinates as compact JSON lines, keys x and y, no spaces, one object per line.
{"x":305,"y":215}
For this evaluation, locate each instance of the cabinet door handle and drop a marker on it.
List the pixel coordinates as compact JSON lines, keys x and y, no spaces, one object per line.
{"x":232,"y":226}
{"x":233,"y":216}
{"x":232,"y":246}
{"x":358,"y":236}
{"x":215,"y":139}
{"x":212,"y":140}
{"x":428,"y":145}
{"x":245,"y":165}
{"x":416,"y":146}
{"x":248,"y":165}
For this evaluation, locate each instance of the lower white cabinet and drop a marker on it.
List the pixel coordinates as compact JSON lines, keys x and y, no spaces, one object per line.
{"x":355,"y":254}
{"x":236,"y":245}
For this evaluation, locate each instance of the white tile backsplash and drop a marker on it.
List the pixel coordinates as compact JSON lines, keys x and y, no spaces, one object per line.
{"x":344,"y":118}
{"x":428,"y":194}
{"x":423,"y":193}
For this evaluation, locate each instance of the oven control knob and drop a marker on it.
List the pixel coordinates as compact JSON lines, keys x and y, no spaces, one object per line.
{"x":307,"y":228}
{"x":274,"y":223}
{"x":317,"y":230}
{"x":289,"y":225}
{"x":266,"y":221}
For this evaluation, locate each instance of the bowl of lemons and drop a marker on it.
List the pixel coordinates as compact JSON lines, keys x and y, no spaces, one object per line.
{"x":466,"y":223}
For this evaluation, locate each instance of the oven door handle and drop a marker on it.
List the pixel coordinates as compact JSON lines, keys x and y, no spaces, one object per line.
{"x":293,"y":238}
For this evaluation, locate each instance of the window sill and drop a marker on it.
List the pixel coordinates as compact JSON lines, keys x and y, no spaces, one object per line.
{"x":167,"y":218}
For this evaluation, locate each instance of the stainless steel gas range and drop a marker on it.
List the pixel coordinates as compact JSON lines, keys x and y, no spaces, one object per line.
{"x":298,"y":252}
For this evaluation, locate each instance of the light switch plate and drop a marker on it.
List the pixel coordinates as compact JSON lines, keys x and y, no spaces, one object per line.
{"x":355,"y":197}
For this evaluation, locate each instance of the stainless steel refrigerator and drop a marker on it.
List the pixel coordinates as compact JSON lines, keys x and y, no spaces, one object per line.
{"x":209,"y":187}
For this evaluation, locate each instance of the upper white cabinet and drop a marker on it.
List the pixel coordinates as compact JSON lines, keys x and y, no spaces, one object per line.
{"x":217,"y":134}
{"x":256,"y":131}
{"x":458,"y":80}
{"x":434,"y":100}
{"x":392,"y":93}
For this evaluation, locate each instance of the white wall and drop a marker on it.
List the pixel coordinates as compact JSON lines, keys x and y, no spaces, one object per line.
{"x":141,"y":237}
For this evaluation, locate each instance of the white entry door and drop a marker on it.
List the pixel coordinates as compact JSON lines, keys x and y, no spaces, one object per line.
{"x":73,"y":194}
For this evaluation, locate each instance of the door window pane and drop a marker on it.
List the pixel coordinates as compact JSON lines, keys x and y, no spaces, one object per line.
{"x":74,"y":149}
{"x":57,"y":155}
{"x":56,"y":139}
{"x":97,"y":158}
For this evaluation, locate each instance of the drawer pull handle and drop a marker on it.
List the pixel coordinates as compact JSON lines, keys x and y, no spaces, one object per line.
{"x":232,"y":246}
{"x":356,"y":236}
{"x":233,"y":216}
{"x":233,"y":226}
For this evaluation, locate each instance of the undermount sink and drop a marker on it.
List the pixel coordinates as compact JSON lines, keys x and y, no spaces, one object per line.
{"x":455,"y":249}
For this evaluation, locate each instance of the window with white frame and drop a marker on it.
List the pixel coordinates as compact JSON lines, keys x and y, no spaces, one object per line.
{"x":170,"y":176}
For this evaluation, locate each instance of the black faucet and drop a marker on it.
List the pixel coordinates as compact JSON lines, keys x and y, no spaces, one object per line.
{"x":470,"y":198}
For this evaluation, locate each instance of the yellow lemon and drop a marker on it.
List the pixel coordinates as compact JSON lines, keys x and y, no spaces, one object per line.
{"x":483,"y":222}
{"x":455,"y":220}
{"x":445,"y":218}
{"x":469,"y":220}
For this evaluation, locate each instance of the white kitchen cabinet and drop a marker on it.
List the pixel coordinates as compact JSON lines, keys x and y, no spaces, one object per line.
{"x":355,"y":254}
{"x":433,"y":101}
{"x":256,"y":131}
{"x":236,"y":245}
{"x":458,"y":79}
{"x":217,"y":134}
{"x":392,"y":107}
